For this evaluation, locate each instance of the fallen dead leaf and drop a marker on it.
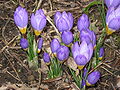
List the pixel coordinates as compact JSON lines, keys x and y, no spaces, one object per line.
{"x":71,"y":63}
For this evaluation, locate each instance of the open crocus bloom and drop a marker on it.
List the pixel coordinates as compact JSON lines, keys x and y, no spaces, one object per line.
{"x":82,"y":53}
{"x":63,"y":21}
{"x":113,"y":20}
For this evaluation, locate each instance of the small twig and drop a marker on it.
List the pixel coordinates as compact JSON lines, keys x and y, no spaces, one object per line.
{"x":112,"y":86}
{"x":117,"y":52}
{"x":14,"y":47}
{"x":14,"y":55}
{"x":107,"y":70}
{"x":13,"y":76}
{"x":51,"y":8}
{"x":96,"y":67}
{"x":52,"y":80}
{"x":13,"y":68}
{"x":50,"y":21}
{"x":8,"y":44}
{"x":3,"y":29}
{"x":61,"y":10}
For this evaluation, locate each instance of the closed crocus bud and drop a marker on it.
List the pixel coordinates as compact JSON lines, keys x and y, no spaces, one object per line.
{"x":24,"y":43}
{"x":38,"y":21}
{"x":93,"y":78}
{"x":82,"y":53}
{"x":67,"y":37}
{"x":46,"y":58}
{"x":83,"y":83}
{"x":55,"y":45}
{"x":113,"y":20}
{"x":83,"y":22}
{"x":63,"y":21}
{"x":88,"y":36}
{"x":62,"y":53}
{"x":112,"y":3}
{"x":21,"y":19}
{"x":101,"y":53}
{"x":40,"y":43}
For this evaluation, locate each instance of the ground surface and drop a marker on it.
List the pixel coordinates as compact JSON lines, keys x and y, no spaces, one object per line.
{"x":14,"y":71}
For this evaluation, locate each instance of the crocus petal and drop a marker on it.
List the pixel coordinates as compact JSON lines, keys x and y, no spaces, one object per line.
{"x":40,"y":43}
{"x":81,"y":60}
{"x":62,"y":25}
{"x":55,"y":45}
{"x":75,"y":49}
{"x":46,"y":57}
{"x":114,"y":24}
{"x":23,"y":43}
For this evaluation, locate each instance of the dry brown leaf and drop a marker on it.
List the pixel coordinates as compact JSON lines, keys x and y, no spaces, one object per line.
{"x":71,"y":63}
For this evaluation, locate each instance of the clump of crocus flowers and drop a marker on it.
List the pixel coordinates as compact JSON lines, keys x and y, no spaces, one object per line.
{"x":81,"y":50}
{"x":28,"y":42}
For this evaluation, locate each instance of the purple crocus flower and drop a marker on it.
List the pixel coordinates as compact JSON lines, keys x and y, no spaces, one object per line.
{"x":38,"y":21}
{"x":113,"y":20}
{"x":55,"y":45}
{"x":82,"y":53}
{"x":112,"y":3}
{"x":24,"y":43}
{"x":62,"y":53}
{"x":40,"y":43}
{"x":88,"y":36}
{"x":83,"y":22}
{"x":63,"y":21}
{"x":67,"y":37}
{"x":46,"y":58}
{"x":101,"y":53}
{"x":21,"y":19}
{"x":93,"y":78}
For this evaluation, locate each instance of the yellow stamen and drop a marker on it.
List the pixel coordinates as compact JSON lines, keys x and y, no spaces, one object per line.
{"x":94,"y":47}
{"x":88,"y":84}
{"x":54,"y":55}
{"x":37,"y":33}
{"x":109,"y":31}
{"x":23,"y":30}
{"x":80,"y":67}
{"x":100,"y":58}
{"x":25,"y":49}
{"x":69,"y":45}
{"x":39,"y":50}
{"x":48,"y":63}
